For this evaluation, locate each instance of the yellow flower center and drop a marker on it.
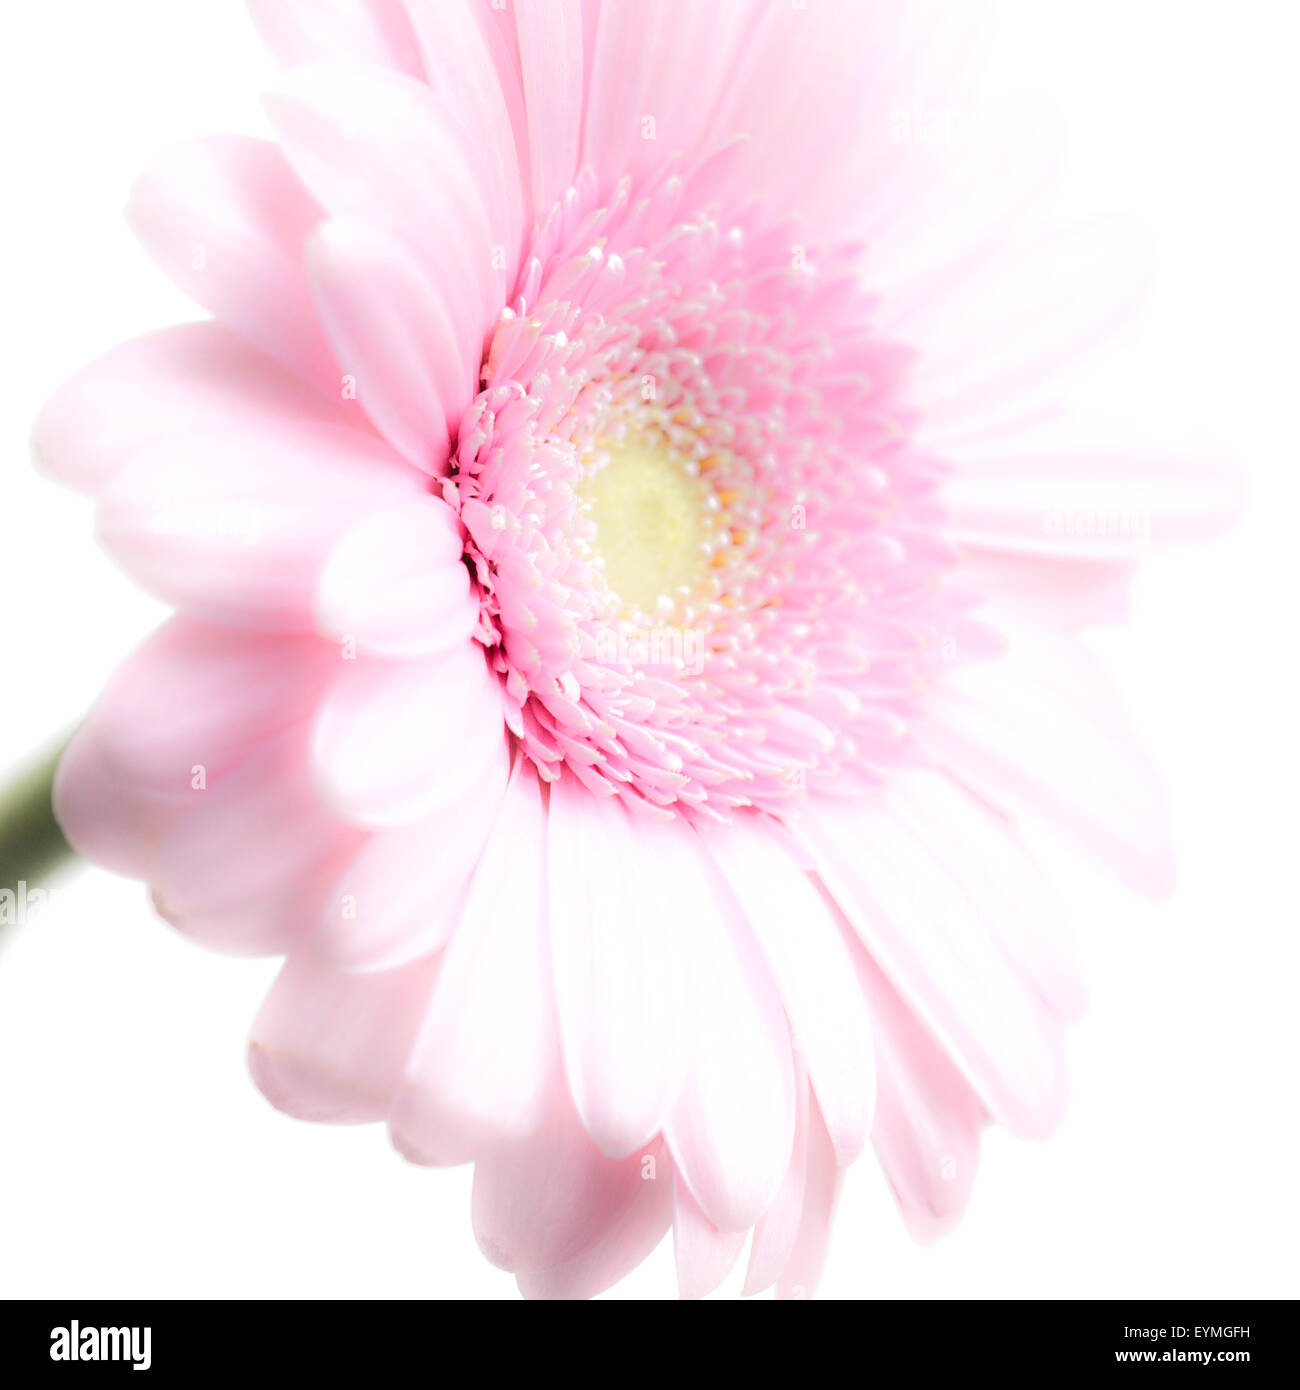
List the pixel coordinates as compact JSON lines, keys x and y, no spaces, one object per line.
{"x":656,"y":521}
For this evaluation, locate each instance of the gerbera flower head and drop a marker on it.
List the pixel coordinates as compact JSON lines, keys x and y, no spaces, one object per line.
{"x":626,"y":593}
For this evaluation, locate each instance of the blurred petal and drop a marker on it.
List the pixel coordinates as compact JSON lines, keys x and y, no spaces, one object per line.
{"x":219,"y":525}
{"x":399,"y":740}
{"x":373,"y":145}
{"x":928,"y":1120}
{"x":329,"y":1047}
{"x":394,"y":335}
{"x":542,"y":1204}
{"x":704,"y":1254}
{"x":803,"y":949}
{"x":803,"y":1271}
{"x":395,"y":583}
{"x":732,"y":1131}
{"x":485,"y":1062}
{"x":928,"y":939}
{"x":366,"y":31}
{"x":247,"y":869}
{"x":401,"y":896}
{"x":616,"y":903}
{"x":228,"y":221}
{"x":169,"y":385}
{"x":778,"y":1230}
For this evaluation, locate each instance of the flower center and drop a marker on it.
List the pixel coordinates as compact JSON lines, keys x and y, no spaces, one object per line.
{"x":656,"y":522}
{"x":696,"y":520}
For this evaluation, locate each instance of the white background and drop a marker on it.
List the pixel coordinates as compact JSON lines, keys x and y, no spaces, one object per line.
{"x":136,"y":1158}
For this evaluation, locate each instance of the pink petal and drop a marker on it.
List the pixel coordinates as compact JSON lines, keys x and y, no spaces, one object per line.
{"x":1053,"y":591}
{"x":398,"y":740}
{"x":1105,"y":505}
{"x":475,"y":73}
{"x":104,"y":819}
{"x":1037,"y":747}
{"x":227,"y":220}
{"x":394,"y":336}
{"x":778,"y":1230}
{"x":928,"y":939}
{"x":330,"y":1047}
{"x":548,"y":1200}
{"x":197,"y":696}
{"x":624,"y":1242}
{"x":376,"y":146}
{"x":996,"y":163}
{"x":857,"y":66}
{"x":803,"y":1272}
{"x":486,"y":1058}
{"x":829,"y":1022}
{"x":234,"y":526}
{"x":1052,"y":300}
{"x":928,"y":1120}
{"x":191,"y":701}
{"x":617,"y":899}
{"x":620,"y":96}
{"x":247,"y":868}
{"x":359,"y":31}
{"x":705,"y":1255}
{"x":732,"y":1131}
{"x":400,"y":897}
{"x":660,"y":78}
{"x":395,"y":584}
{"x":172,"y":384}
{"x":1013,"y":898}
{"x":550,"y":53}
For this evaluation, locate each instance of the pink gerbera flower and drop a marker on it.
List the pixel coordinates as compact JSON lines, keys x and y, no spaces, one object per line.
{"x":626,"y":585}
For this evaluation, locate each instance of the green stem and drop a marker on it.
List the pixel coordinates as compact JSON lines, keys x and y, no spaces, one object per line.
{"x":31,"y":843}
